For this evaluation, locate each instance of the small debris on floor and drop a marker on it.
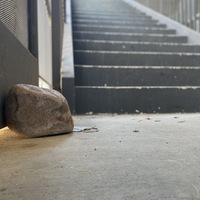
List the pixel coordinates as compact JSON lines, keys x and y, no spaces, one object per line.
{"x":89,"y":113}
{"x":157,"y":121}
{"x":181,"y":121}
{"x":85,"y":129}
{"x":136,"y":131}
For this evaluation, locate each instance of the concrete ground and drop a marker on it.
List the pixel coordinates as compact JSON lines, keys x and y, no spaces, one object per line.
{"x":144,"y":157}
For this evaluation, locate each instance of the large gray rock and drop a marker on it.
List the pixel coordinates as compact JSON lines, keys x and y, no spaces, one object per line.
{"x":35,"y":112}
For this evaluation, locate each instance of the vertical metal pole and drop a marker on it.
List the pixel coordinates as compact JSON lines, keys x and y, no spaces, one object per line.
{"x":190,"y":15}
{"x":179,"y":12}
{"x":65,"y":8}
{"x":161,"y":10}
{"x":186,"y":12}
{"x":198,"y":15}
{"x":195,"y":14}
{"x":33,"y":28}
{"x":171,"y":9}
{"x":175,"y":10}
{"x":182,"y":11}
{"x":57,"y":35}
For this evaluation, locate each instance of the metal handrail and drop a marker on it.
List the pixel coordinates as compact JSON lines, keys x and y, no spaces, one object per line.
{"x":186,"y":12}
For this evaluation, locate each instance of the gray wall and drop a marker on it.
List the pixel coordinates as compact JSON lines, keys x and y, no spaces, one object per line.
{"x":17,"y":65}
{"x":45,"y":43}
{"x":18,"y":28}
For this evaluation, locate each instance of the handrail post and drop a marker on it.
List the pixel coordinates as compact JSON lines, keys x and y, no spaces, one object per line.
{"x":161,"y":6}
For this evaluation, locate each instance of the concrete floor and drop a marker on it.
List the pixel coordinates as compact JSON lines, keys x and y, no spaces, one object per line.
{"x":142,"y":156}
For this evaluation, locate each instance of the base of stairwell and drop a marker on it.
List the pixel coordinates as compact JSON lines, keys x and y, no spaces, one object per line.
{"x":68,"y":91}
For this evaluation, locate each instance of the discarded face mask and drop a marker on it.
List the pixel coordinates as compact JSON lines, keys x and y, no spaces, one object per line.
{"x":85,"y":129}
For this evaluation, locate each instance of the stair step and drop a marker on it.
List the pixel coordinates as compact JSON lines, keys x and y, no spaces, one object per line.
{"x":136,"y":76}
{"x":130,"y":29}
{"x":111,"y":17}
{"x":116,"y":20}
{"x":128,"y":37}
{"x":135,"y":58}
{"x":101,"y":45}
{"x":137,"y":99}
{"x":121,"y":23}
{"x":108,"y":13}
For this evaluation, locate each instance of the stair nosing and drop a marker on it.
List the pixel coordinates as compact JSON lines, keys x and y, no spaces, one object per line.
{"x":141,"y":19}
{"x":124,"y":27}
{"x":139,"y":87}
{"x":133,"y":42}
{"x":138,"y":52}
{"x":119,"y":22}
{"x":137,"y":67}
{"x":77,"y":11}
{"x":111,"y":26}
{"x":128,"y":34}
{"x":115,"y":20}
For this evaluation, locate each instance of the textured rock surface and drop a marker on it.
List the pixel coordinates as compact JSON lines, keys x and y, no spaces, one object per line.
{"x":35,"y":111}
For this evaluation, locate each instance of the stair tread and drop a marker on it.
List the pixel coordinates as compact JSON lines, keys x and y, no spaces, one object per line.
{"x":118,"y":21}
{"x":127,"y":34}
{"x":124,"y":36}
{"x":122,"y":23}
{"x":136,"y":76}
{"x":125,"y":58}
{"x":114,"y":26}
{"x":147,"y":100}
{"x":134,"y":42}
{"x":129,"y":29}
{"x":106,"y":17}
{"x":139,"y":87}
{"x":95,"y":12}
{"x":138,"y":67}
{"x":106,"y":45}
{"x":136,"y":53}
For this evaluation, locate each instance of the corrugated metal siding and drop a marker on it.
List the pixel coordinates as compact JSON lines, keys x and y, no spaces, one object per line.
{"x":14,"y":15}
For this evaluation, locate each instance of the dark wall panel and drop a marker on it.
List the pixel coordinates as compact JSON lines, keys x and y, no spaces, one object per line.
{"x":17,"y":65}
{"x":57,"y":40}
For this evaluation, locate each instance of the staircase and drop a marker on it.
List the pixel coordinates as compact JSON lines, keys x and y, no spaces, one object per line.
{"x":127,"y":62}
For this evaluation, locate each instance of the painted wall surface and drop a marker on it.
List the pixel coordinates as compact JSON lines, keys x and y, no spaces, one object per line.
{"x":45,"y":42}
{"x":17,"y":65}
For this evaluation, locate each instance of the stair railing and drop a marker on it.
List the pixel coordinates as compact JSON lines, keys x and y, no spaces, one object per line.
{"x":186,"y":12}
